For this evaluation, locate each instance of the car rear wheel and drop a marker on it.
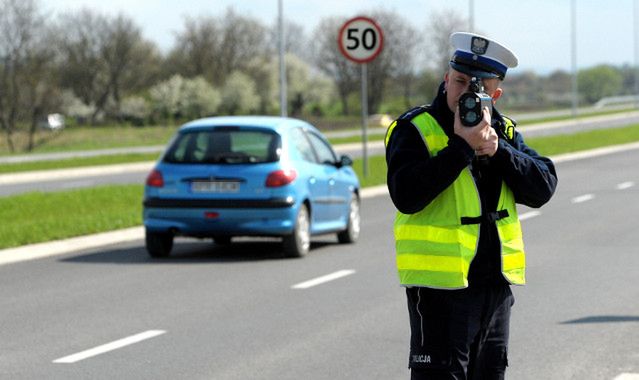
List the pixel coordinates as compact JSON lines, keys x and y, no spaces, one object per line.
{"x":351,"y":233}
{"x":299,"y":242}
{"x":222,"y":240}
{"x":159,"y":244}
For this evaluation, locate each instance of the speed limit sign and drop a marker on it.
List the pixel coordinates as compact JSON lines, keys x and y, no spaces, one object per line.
{"x":360,"y":39}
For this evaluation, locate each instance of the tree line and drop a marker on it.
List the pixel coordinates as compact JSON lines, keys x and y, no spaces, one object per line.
{"x":96,"y":68}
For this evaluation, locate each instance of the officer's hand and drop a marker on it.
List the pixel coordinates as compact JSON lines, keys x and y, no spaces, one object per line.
{"x":482,"y":137}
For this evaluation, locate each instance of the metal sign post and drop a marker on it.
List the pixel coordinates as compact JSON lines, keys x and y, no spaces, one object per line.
{"x":365,"y":118}
{"x":361,"y":40}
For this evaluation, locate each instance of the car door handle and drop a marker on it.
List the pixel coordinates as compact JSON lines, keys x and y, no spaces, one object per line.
{"x":331,"y":182}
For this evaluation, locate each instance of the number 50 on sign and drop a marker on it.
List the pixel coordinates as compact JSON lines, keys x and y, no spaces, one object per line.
{"x":360,"y":39}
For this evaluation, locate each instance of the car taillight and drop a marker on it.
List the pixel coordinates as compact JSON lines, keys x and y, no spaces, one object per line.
{"x":155,"y":179}
{"x":280,"y":178}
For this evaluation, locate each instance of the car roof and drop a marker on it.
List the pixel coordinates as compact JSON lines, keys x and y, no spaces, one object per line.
{"x":279,"y":124}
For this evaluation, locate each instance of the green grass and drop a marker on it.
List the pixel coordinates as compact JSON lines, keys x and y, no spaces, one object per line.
{"x":548,"y":146}
{"x":37,"y":217}
{"x":558,"y":144}
{"x":376,"y":171}
{"x":104,"y":137}
{"x":90,"y":138}
{"x":570,"y":117}
{"x":77,"y":162}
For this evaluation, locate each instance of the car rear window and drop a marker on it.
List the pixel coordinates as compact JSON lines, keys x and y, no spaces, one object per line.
{"x":230,"y":145}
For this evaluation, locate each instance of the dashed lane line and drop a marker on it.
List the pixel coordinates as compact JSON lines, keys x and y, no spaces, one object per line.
{"x":529,"y":215}
{"x":583,"y":198}
{"x":109,"y":347}
{"x":323,"y":279}
{"x":625,"y":185}
{"x":627,"y":376}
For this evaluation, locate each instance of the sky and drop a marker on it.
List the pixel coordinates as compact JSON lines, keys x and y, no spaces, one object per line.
{"x":538,"y":31}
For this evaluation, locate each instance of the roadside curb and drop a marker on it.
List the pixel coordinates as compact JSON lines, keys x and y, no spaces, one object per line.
{"x":56,"y":174}
{"x":135,"y":167}
{"x":59,"y":247}
{"x":594,"y":152}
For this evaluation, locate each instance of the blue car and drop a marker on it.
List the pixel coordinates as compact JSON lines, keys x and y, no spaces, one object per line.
{"x":223,"y":177}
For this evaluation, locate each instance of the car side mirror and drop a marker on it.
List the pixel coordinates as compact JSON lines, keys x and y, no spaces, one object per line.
{"x":344,"y":160}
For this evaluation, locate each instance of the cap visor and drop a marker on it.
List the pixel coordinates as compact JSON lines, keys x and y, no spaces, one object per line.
{"x":472,"y":71}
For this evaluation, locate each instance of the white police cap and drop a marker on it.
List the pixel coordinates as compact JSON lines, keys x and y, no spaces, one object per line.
{"x":479,"y":56}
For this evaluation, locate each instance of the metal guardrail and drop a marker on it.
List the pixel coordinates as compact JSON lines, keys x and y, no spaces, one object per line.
{"x":628,"y":100}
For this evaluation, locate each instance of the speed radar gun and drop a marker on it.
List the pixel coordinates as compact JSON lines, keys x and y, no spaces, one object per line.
{"x":473,"y":102}
{"x":471,"y":105}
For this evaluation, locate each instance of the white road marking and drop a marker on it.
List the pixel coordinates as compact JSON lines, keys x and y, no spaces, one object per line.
{"x":374,"y":191}
{"x":625,"y":185}
{"x":529,"y":214}
{"x":323,"y":279}
{"x":109,"y":346}
{"x":583,"y":198}
{"x":627,"y":376}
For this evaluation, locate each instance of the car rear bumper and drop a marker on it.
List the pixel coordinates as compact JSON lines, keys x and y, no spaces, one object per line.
{"x":219,"y":203}
{"x":273,"y":217}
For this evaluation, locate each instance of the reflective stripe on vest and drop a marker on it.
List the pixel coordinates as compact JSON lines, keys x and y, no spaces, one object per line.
{"x":434,"y":249}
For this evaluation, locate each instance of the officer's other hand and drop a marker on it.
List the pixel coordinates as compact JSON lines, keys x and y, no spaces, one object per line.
{"x":482,"y":137}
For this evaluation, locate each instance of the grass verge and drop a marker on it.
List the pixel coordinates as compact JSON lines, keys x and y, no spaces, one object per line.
{"x":77,"y":162}
{"x":91,"y":138}
{"x":559,"y":144}
{"x":38,"y":217}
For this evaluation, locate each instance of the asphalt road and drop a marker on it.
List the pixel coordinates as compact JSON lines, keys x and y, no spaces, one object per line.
{"x":136,"y":173}
{"x":65,"y":179}
{"x":235,"y":312}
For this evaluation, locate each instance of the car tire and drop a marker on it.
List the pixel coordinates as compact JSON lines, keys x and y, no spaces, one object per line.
{"x":351,"y":233}
{"x":159,"y":244}
{"x":222,"y":240}
{"x":298,"y":243}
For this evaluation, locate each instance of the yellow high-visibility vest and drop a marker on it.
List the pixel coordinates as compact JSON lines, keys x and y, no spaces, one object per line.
{"x":436,"y":245}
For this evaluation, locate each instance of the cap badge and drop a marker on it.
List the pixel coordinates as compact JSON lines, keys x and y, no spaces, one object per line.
{"x":479,"y":45}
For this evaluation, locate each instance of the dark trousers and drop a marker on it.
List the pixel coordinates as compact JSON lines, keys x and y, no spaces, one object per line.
{"x":459,"y":334}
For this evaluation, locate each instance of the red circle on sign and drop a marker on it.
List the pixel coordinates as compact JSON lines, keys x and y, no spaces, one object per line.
{"x":357,"y":56}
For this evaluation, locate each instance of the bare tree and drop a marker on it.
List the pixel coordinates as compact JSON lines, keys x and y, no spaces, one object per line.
{"x":104,"y":58}
{"x":331,"y":61}
{"x":406,"y":42}
{"x":40,"y":86}
{"x":295,"y":41}
{"x":214,"y":47}
{"x":397,"y":60}
{"x":442,"y":25}
{"x":25,"y":61}
{"x":125,"y":54}
{"x":82,"y":38}
{"x":196,"y":48}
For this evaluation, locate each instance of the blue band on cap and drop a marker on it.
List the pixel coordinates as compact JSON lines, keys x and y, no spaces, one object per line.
{"x":479,"y":61}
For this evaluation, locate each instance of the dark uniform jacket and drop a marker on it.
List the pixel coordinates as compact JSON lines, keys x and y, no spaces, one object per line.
{"x":415,"y":179}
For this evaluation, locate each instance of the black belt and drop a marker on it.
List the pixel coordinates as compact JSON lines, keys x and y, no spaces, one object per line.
{"x":491,"y":217}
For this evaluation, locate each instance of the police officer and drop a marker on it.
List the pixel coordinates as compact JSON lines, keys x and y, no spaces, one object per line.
{"x":458,"y":238}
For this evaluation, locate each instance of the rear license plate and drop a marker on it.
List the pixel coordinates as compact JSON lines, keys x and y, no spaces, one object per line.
{"x":215,"y":186}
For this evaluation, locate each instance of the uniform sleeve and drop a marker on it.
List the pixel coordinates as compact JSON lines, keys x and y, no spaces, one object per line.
{"x":414,"y":178}
{"x":531,"y":177}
